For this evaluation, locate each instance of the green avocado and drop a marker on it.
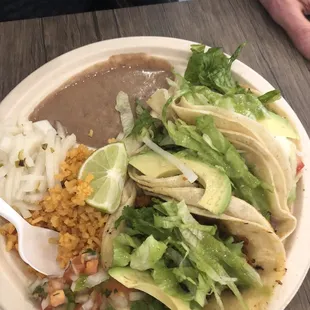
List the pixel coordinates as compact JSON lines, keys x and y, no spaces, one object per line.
{"x":217,"y":185}
{"x":279,"y":126}
{"x":153,"y":165}
{"x":143,"y":281}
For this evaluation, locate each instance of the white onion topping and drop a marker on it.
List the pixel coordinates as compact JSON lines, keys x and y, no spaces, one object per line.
{"x":188,"y":173}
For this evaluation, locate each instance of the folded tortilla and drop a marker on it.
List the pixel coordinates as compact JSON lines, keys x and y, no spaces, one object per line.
{"x":110,"y":232}
{"x":260,"y":150}
{"x":264,"y":250}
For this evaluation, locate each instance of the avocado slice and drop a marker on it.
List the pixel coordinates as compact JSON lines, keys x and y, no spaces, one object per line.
{"x":279,"y":126}
{"x":217,"y":185}
{"x":143,"y":281}
{"x":153,"y":165}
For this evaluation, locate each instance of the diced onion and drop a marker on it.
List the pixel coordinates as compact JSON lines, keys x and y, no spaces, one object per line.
{"x":30,"y":157}
{"x":133,"y":296}
{"x":31,"y":177}
{"x":118,"y":300}
{"x":97,"y":278}
{"x":74,"y":277}
{"x":88,"y":305}
{"x":73,"y":286}
{"x":25,"y":213}
{"x":43,"y":126}
{"x":60,"y":130}
{"x":81,"y":298}
{"x":26,"y":206}
{"x":45,"y":303}
{"x":188,"y":173}
{"x":5,"y":144}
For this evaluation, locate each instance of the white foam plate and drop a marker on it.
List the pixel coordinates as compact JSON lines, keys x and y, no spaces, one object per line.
{"x":30,"y":92}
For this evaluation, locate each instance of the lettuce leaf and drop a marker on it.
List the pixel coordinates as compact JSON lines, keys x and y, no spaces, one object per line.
{"x":246,"y":104}
{"x":121,"y":255}
{"x":124,"y":108}
{"x":142,"y":222}
{"x":270,"y":96}
{"x":167,"y":281}
{"x":212,"y":69}
{"x":235,"y":247}
{"x":123,"y":245}
{"x":192,"y":262}
{"x":209,"y":77}
{"x":220,"y":153}
{"x":127,"y":240}
{"x":147,"y":254}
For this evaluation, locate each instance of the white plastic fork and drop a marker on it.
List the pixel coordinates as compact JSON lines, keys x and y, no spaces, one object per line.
{"x":33,"y":242}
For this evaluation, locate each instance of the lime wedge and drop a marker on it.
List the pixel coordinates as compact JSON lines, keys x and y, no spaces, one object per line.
{"x":108,"y":165}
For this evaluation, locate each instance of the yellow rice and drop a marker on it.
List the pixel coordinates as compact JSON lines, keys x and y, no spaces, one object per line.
{"x":63,"y":209}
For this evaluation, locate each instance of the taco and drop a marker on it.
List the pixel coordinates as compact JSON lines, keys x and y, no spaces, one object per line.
{"x":237,"y":208}
{"x":187,"y":259}
{"x":239,"y":124}
{"x":213,"y":190}
{"x":232,"y":133}
{"x":209,"y":87}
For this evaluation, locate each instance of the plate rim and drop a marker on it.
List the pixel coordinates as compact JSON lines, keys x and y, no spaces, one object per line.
{"x":17,"y":94}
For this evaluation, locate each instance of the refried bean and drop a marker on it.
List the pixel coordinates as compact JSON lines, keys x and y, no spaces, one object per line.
{"x":87,"y":102}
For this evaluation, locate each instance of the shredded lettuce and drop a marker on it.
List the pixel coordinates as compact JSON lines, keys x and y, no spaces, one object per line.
{"x":147,"y":254}
{"x":121,"y":255}
{"x":122,"y":249}
{"x":166,"y":279}
{"x":206,"y":143}
{"x":235,"y":247}
{"x":185,"y":260}
{"x":141,"y":221}
{"x":123,"y":107}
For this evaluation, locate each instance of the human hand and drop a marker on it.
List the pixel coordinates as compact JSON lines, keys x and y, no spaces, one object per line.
{"x":290,"y":15}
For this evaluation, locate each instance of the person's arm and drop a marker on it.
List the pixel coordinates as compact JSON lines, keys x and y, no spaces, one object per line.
{"x":290,"y":15}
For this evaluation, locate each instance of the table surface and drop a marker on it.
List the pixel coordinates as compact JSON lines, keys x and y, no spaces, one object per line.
{"x":27,"y":44}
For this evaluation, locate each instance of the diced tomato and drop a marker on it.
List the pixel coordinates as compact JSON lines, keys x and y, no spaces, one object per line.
{"x":91,"y":267}
{"x":57,"y":298}
{"x":78,"y":265}
{"x":112,"y":287}
{"x":55,"y":284}
{"x":300,"y":165}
